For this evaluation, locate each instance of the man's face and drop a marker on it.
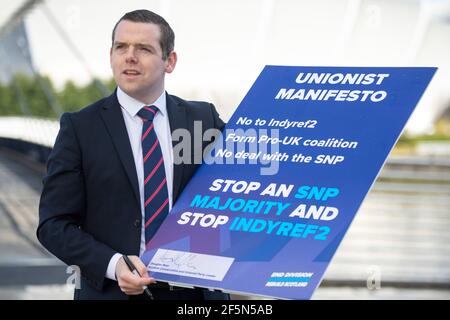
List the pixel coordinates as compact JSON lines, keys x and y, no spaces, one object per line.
{"x":136,"y":60}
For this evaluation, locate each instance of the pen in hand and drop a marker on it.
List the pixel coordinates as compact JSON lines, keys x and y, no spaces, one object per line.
{"x":136,"y":272}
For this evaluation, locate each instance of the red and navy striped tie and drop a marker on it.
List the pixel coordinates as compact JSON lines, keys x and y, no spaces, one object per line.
{"x":155,"y":185}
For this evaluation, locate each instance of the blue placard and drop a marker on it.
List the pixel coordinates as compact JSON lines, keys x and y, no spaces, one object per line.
{"x":267,"y":212}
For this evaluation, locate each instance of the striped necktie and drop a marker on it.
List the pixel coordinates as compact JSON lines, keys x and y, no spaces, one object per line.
{"x":155,"y":185}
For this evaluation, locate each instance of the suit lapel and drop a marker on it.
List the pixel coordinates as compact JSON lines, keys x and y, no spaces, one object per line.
{"x":177,"y":120}
{"x":115,"y":124}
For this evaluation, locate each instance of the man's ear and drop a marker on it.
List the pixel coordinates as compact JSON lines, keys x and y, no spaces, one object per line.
{"x":171,"y":62}
{"x":110,"y":57}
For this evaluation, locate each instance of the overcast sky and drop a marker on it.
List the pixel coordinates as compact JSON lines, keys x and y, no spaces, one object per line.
{"x":222,"y":45}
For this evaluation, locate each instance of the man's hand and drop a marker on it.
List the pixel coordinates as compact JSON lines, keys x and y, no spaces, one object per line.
{"x":129,"y":283}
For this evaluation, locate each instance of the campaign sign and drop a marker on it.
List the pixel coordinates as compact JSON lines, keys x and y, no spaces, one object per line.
{"x":268,"y":209}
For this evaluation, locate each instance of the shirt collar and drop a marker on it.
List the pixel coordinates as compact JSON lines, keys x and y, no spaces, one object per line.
{"x":132,"y":106}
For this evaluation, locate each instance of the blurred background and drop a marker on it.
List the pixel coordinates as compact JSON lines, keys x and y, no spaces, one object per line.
{"x":54,"y":57}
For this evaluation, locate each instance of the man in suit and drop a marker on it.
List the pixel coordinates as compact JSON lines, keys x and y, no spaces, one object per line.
{"x":112,"y":176}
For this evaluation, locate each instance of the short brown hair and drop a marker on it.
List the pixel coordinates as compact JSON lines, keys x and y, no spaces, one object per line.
{"x":167,"y":40}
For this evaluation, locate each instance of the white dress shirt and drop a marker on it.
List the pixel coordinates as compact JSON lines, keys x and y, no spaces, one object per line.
{"x":130,"y":107}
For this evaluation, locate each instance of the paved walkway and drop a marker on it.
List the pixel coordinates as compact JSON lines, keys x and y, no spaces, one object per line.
{"x":400,"y":237}
{"x":23,"y":261}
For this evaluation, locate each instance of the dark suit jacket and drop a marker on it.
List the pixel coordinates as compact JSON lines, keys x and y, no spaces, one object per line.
{"x":90,"y":204}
